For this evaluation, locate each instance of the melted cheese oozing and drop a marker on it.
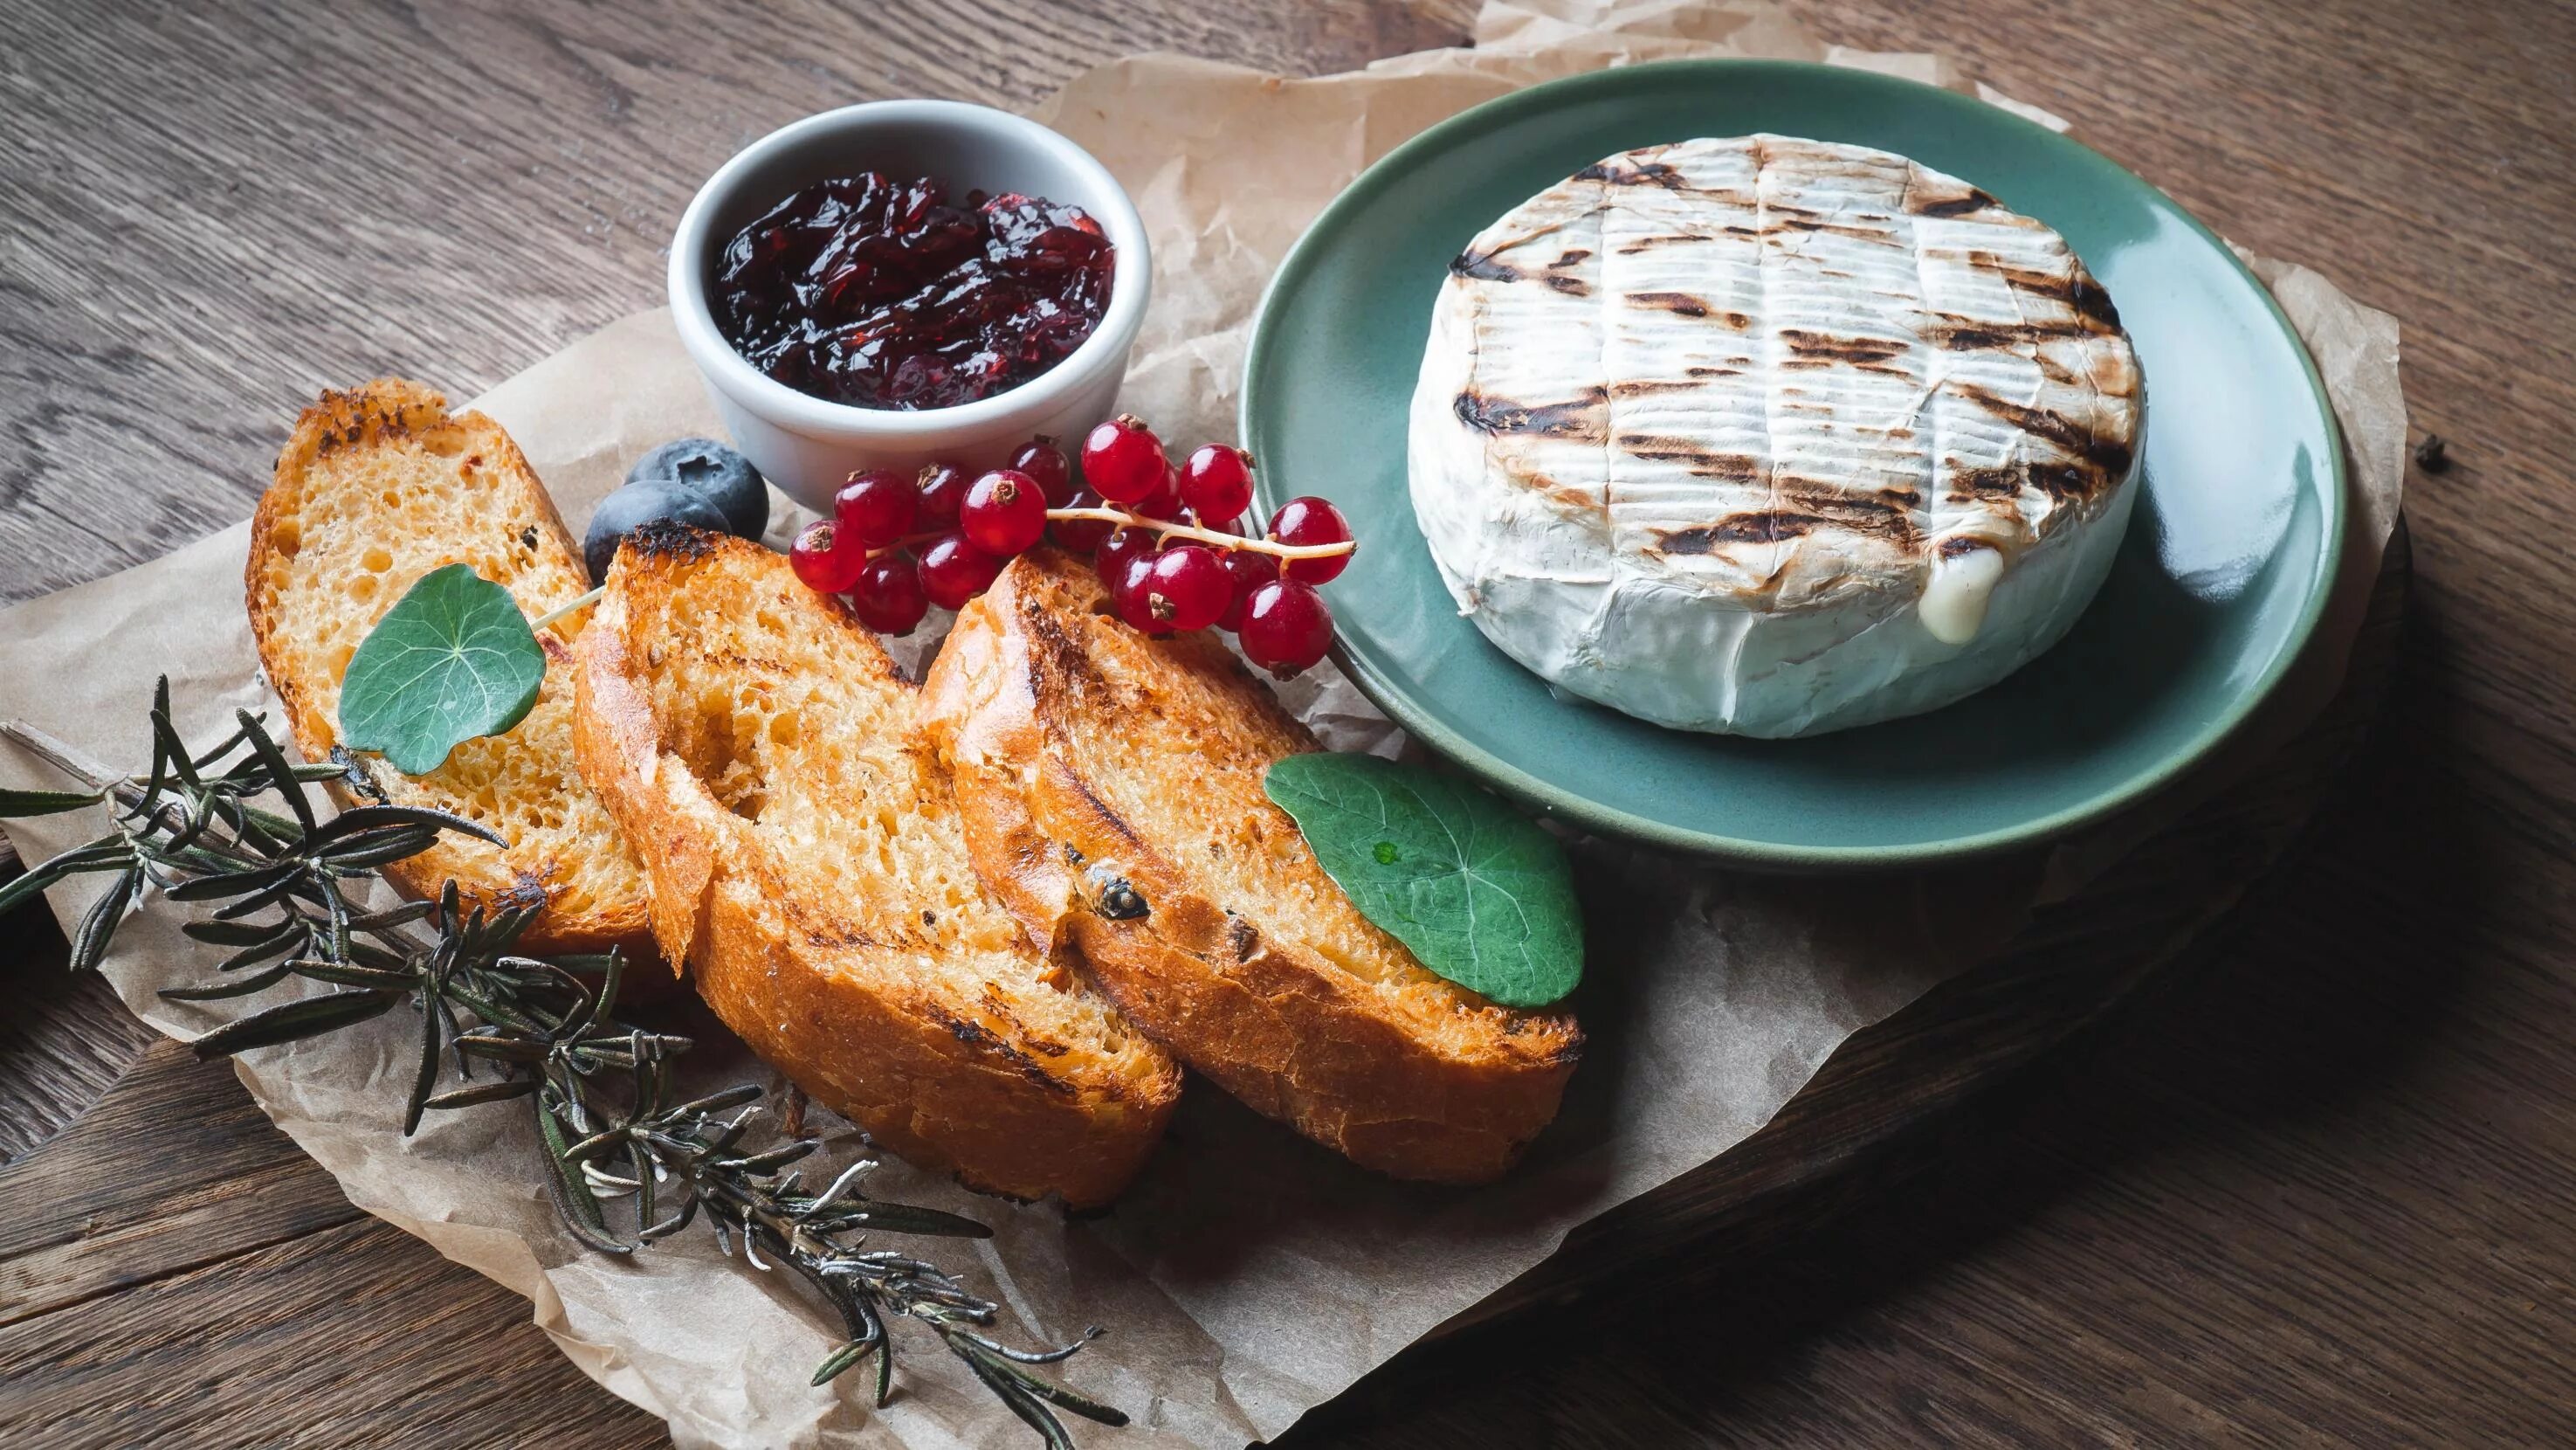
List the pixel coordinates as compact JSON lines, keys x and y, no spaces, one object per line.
{"x":1954,"y":602}
{"x":1771,"y":436}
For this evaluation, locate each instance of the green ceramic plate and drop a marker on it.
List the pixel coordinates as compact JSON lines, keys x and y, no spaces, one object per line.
{"x":2224,"y":572}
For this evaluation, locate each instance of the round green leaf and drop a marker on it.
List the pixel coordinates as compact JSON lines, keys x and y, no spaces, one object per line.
{"x":1473,"y":887}
{"x":453,"y":659}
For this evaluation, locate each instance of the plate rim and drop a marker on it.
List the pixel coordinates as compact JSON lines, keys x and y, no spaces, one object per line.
{"x":1514,"y":780}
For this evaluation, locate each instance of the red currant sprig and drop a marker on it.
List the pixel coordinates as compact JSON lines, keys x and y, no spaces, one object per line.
{"x":1164,"y":538}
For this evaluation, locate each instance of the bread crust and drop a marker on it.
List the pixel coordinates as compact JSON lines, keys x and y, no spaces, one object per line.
{"x":925,"y":1078}
{"x":1292,"y":1036}
{"x":487,"y":876}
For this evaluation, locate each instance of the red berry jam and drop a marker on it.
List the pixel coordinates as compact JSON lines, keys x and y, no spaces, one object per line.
{"x":882,"y":294}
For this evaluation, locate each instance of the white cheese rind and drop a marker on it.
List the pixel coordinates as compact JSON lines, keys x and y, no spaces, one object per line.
{"x":1696,"y":431}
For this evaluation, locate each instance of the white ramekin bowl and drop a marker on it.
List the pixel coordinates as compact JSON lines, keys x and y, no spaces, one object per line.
{"x":808,"y":446}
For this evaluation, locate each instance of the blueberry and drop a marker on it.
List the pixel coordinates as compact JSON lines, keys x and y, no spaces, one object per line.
{"x":715,"y":473}
{"x":636,"y":505}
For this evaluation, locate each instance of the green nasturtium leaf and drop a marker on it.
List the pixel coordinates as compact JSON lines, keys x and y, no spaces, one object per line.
{"x":453,"y":659}
{"x":1475,"y":888}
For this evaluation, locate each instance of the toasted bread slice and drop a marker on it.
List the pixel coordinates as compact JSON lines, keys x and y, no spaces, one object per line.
{"x":378,"y":486}
{"x":1111,"y":788}
{"x":807,"y":862}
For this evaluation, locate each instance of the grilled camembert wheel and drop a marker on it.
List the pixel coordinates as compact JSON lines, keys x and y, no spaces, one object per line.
{"x":1772,"y":437}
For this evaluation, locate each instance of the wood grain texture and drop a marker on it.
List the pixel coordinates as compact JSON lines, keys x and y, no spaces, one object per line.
{"x":253,"y":1306}
{"x":2313,"y":1193}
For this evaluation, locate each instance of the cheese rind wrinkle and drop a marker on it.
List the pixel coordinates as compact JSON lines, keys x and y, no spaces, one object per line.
{"x":1697,"y":428}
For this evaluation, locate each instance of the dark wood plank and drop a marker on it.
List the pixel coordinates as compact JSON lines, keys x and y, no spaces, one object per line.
{"x":173,"y":1270}
{"x":2316,"y":1193}
{"x":353,"y":1335}
{"x":217,"y":210}
{"x":173,"y":1170}
{"x":64,"y":1039}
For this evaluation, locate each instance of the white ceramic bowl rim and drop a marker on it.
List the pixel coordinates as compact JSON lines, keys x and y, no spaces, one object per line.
{"x":1106,"y":346}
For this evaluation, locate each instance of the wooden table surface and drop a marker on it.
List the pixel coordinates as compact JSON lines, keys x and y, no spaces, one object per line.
{"x":2316,"y":1191}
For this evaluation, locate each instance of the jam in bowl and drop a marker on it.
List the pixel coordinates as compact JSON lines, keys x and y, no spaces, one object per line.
{"x":905,"y":282}
{"x":882,"y":293}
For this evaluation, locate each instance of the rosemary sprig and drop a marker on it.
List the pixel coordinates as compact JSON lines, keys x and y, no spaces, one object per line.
{"x":599,"y":1089}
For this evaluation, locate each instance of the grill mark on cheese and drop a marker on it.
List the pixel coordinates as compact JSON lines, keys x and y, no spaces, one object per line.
{"x":1788,"y":218}
{"x":1766,"y":526}
{"x":1681,"y":304}
{"x":1976,"y":336}
{"x":1486,"y":267}
{"x":2107,"y":457}
{"x":1805,"y":506}
{"x":1684,"y":304}
{"x":1643,"y":173}
{"x":1661,"y":175}
{"x":1694,"y":456}
{"x":1642,"y":245}
{"x":1921,"y":202}
{"x":1742,"y":374}
{"x":1974,"y":483}
{"x":1654,"y":387}
{"x":2062,"y":482}
{"x":1826,"y":364}
{"x":1845,"y":349}
{"x":1877,"y":369}
{"x":1639,"y":173}
{"x":1580,"y":500}
{"x":2076,"y":289}
{"x":1584,"y":418}
{"x":2092,"y":303}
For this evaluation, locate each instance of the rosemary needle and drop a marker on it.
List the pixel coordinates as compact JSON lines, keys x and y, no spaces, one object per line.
{"x":598,"y":1088}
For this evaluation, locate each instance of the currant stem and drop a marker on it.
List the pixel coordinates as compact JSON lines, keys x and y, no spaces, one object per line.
{"x":1168,"y":529}
{"x":908,"y":541}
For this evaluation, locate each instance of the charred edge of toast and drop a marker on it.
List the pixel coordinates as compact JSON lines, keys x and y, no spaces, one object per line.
{"x":985,"y":1040}
{"x":385,"y":408}
{"x":1073,"y":659}
{"x":671,"y":540}
{"x":1056,"y":658}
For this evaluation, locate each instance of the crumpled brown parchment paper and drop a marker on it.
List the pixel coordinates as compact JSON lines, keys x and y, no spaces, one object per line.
{"x":1249,"y":1275}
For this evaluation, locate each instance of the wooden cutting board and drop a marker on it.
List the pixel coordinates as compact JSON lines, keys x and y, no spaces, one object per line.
{"x":169,"y":1261}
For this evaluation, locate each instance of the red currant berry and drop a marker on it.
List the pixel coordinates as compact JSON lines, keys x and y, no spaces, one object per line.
{"x":1286,"y":627}
{"x":1248,"y":570}
{"x":819,"y":560}
{"x":1307,"y":521}
{"x":1040,"y":459}
{"x":1081,"y":536}
{"x":887,"y":595}
{"x":1217,"y":484}
{"x":875,"y":508}
{"x":954,"y":571}
{"x":1117,"y":550}
{"x":1004,"y":514}
{"x":1165,"y":502}
{"x":943,"y":489}
{"x":1122,"y":460}
{"x":1189,"y":587}
{"x":1133,"y":594}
